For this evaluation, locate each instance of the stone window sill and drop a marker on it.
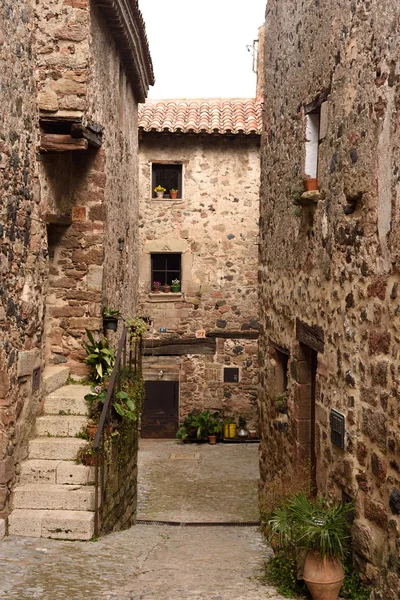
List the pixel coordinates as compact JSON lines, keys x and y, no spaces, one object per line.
{"x":309,"y":198}
{"x":176,"y":200}
{"x":165,"y":297}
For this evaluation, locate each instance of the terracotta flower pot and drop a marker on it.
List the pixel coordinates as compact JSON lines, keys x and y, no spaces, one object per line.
{"x":173,"y":195}
{"x":166,"y":289}
{"x":91,"y":429}
{"x":311,"y":184}
{"x":212,"y":439}
{"x":324,"y":577}
{"x":156,"y":289}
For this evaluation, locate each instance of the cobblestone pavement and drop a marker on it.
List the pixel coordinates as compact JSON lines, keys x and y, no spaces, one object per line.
{"x":197,"y":482}
{"x":162,"y":562}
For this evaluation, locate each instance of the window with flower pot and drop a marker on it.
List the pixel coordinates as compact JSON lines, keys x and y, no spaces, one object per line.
{"x":165,"y":268}
{"x":167,"y":176}
{"x":316,"y":123}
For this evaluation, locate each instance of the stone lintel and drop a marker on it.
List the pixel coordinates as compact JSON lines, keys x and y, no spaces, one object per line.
{"x":310,"y":335}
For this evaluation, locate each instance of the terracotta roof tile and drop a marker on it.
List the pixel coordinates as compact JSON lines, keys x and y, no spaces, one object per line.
{"x":217,"y":115}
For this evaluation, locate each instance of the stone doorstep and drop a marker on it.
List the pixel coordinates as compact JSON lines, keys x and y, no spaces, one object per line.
{"x":70,"y":399}
{"x":59,"y":425}
{"x":48,"y":496}
{"x":54,"y":377}
{"x":55,"y":448}
{"x":55,"y":471}
{"x":56,"y":524}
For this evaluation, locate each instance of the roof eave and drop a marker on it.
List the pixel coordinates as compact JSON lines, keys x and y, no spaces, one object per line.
{"x":127,"y":28}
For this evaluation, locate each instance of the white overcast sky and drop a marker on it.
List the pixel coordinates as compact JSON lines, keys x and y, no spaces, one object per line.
{"x":199,"y":47}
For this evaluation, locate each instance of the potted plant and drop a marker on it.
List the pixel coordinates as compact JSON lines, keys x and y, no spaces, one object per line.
{"x":87,"y":455}
{"x":100,"y":356}
{"x":91,"y":429}
{"x":320,"y":529}
{"x":166,"y":288}
{"x":243,"y":433}
{"x":281,"y":403}
{"x":175,"y":286}
{"x":214,"y":428}
{"x":159,"y":191}
{"x":110,"y":318}
{"x":310,"y":184}
{"x":156,"y":287}
{"x":173,"y":194}
{"x":195,"y":426}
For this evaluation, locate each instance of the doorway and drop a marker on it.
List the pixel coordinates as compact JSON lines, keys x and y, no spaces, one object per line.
{"x":160,"y":412}
{"x":305,"y":410}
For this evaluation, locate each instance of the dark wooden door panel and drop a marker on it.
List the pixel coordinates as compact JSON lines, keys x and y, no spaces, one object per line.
{"x":160,"y":413}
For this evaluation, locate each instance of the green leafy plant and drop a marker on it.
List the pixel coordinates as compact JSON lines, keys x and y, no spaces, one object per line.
{"x":100,"y":356}
{"x":137,"y":328}
{"x":198,"y":425}
{"x":173,"y":191}
{"x":214,"y":424}
{"x":281,"y":402}
{"x":110,"y":312}
{"x":353,"y":588}
{"x":311,"y":524}
{"x":242,"y":422}
{"x":280,"y":571}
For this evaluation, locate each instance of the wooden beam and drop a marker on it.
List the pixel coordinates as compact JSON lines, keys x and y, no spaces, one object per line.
{"x":52,"y":142}
{"x":93,"y":134}
{"x":244,"y":335}
{"x":310,"y":335}
{"x":58,"y":219}
{"x":179,"y":347}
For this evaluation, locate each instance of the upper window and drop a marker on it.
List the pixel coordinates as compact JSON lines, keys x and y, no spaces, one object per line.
{"x":169,"y":176}
{"x":165,"y":268}
{"x":312,"y":143}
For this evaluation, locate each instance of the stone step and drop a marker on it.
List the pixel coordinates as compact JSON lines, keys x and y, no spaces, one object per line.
{"x":68,"y":400}
{"x":53,"y":496}
{"x":55,"y":448}
{"x":55,"y":471}
{"x":59,"y":425}
{"x":57,"y":524}
{"x":53,"y":378}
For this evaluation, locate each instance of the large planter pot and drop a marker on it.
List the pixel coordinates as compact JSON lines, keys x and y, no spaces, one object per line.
{"x":324,"y":577}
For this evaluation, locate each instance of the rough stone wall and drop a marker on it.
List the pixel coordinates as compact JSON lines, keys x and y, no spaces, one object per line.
{"x":63,"y":56}
{"x":22,"y":251}
{"x":334,"y":264}
{"x":119,"y":503}
{"x":94,"y":259}
{"x":214,"y":227}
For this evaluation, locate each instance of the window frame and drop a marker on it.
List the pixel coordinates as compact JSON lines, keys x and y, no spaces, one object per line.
{"x":171,"y":164}
{"x":177,"y":272}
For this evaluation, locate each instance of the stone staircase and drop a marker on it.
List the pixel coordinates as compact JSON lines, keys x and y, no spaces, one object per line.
{"x":54,"y":497}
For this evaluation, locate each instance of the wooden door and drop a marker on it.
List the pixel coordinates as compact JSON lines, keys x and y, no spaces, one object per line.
{"x":160,"y":413}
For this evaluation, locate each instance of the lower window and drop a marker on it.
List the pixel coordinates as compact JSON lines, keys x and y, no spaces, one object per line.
{"x":165,"y":268}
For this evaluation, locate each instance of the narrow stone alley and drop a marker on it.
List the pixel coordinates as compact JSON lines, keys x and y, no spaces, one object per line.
{"x":184,"y":484}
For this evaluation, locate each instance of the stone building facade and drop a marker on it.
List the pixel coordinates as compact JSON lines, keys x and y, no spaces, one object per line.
{"x":73,"y":72}
{"x":212,"y":148}
{"x":329,"y":263}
